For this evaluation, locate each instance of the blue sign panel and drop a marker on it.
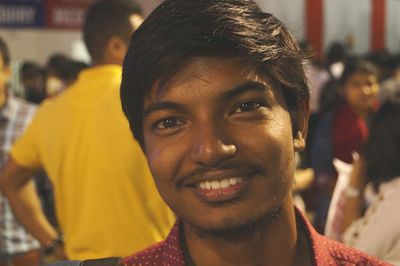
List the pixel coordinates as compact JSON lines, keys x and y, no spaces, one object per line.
{"x":22,"y":13}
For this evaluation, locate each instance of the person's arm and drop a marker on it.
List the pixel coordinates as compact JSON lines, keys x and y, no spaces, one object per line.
{"x":352,"y":209}
{"x":17,"y":184}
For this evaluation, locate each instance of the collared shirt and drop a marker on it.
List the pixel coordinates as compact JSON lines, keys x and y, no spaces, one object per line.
{"x":14,"y":117}
{"x":323,"y":251}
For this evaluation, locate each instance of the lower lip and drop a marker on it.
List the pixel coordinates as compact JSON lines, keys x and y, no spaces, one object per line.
{"x":224,"y":194}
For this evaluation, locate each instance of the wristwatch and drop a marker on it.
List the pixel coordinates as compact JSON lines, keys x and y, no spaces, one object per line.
{"x":51,"y":246}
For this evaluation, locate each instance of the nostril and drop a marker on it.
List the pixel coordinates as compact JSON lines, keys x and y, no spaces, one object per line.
{"x":212,"y":152}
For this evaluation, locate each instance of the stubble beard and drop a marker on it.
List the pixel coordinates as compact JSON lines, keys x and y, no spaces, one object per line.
{"x":242,"y":228}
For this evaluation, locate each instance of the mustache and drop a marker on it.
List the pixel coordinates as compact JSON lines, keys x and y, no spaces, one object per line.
{"x":244,"y":168}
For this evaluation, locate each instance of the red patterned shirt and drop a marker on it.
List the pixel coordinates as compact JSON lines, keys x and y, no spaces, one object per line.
{"x":324,"y":251}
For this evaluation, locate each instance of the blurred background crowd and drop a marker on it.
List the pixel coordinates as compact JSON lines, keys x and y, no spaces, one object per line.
{"x":352,"y":52}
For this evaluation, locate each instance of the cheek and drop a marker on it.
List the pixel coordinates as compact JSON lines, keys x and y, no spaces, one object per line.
{"x":352,"y":95}
{"x":160,"y":168}
{"x":164,"y":160}
{"x":159,"y":162}
{"x":271,"y":141}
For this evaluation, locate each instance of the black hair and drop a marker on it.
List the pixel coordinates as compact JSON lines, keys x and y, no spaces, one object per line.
{"x":64,"y":67}
{"x":5,"y":53}
{"x":358,"y":66}
{"x":336,"y":53}
{"x":107,"y":18}
{"x":180,"y":30}
{"x":382,"y":149}
{"x":59,"y":65}
{"x":31,"y":70}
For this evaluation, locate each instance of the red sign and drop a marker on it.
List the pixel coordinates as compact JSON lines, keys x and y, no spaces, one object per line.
{"x":66,"y":14}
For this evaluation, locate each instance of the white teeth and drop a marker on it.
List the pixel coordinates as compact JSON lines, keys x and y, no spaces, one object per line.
{"x":215,"y":184}
{"x":225,"y":183}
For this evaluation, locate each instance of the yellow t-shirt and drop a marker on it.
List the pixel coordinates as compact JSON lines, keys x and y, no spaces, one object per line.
{"x":106,"y":201}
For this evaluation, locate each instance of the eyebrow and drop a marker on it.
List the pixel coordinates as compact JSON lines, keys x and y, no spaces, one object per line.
{"x":236,"y":91}
{"x":154,"y":107}
{"x":250,"y":85}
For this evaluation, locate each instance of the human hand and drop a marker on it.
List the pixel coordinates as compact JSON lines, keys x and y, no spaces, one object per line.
{"x":357,"y":176}
{"x":59,"y":253}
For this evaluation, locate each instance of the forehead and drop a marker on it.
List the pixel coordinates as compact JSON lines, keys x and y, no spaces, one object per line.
{"x":362,"y":75}
{"x":216,"y":75}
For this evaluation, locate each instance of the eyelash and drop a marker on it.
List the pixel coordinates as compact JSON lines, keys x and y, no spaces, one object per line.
{"x":160,"y":125}
{"x":252,"y":108}
{"x":176,"y":122}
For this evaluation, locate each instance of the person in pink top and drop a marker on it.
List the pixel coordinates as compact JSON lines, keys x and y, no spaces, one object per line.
{"x":215,"y":93}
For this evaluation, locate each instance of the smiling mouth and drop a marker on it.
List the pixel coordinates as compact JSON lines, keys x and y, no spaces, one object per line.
{"x":219,"y":184}
{"x":221,"y":191}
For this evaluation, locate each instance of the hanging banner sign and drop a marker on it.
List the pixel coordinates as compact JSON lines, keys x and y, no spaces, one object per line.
{"x":58,"y":14}
{"x":67,"y":14}
{"x":22,"y":13}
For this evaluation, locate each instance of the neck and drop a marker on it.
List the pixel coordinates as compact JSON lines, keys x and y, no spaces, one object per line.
{"x":362,"y":113}
{"x":280,"y":243}
{"x":105,"y":62}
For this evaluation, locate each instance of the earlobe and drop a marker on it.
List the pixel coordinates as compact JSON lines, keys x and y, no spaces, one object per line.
{"x":299,"y":142}
{"x":303,"y":113}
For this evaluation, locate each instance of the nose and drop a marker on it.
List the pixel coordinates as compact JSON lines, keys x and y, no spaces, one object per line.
{"x":211,"y":146}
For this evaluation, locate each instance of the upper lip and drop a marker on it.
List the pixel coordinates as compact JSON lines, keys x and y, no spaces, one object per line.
{"x":217,"y":175}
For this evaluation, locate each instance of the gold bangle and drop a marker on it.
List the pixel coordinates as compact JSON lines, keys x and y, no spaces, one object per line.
{"x":351,"y":192}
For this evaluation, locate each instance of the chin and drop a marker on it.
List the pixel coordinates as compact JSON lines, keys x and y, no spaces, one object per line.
{"x":234,"y":226}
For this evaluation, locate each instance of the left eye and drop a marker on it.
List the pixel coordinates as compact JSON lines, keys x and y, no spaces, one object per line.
{"x":247,"y":107}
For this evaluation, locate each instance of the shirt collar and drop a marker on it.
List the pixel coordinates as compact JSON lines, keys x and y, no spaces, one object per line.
{"x":100,"y":71}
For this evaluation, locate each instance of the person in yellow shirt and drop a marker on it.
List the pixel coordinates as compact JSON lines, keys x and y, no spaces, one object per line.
{"x":106,"y":201}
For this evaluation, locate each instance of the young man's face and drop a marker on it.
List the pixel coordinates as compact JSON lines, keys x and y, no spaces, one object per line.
{"x":220,"y":146}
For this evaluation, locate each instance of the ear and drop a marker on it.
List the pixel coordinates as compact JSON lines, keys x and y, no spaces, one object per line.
{"x":116,"y":49}
{"x":302,"y":115}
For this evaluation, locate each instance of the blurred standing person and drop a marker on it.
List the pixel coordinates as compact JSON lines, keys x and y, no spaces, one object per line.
{"x":359,"y":90}
{"x":391,"y":86}
{"x":17,"y":247}
{"x":106,"y":201}
{"x":61,"y":72}
{"x":377,"y":230}
{"x":33,"y":81}
{"x":336,"y":59}
{"x":317,"y":76}
{"x":340,"y":130}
